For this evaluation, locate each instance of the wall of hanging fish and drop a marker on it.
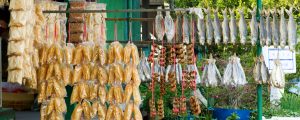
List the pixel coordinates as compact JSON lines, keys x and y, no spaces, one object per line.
{"x":274,"y":29}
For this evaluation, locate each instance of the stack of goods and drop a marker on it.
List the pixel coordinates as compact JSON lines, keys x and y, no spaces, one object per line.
{"x":77,"y":27}
{"x":21,"y":67}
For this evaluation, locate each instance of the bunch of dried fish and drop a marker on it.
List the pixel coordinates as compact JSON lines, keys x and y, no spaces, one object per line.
{"x":159,"y":27}
{"x":253,"y":27}
{"x":211,"y":75}
{"x":234,"y":74}
{"x":260,"y":71}
{"x":169,"y":26}
{"x":277,"y":77}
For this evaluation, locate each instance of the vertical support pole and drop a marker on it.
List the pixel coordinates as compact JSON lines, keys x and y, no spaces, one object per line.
{"x":258,"y":53}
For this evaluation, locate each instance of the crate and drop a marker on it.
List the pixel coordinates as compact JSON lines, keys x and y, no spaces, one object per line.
{"x":18,"y":101}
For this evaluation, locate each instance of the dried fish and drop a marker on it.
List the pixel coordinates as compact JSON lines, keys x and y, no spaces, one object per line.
{"x":200,"y":26}
{"x":277,"y":77}
{"x":217,"y":27}
{"x":170,"y":28}
{"x":232,"y":26}
{"x":260,"y":72}
{"x":268,"y":28}
{"x":275,"y":28}
{"x":292,"y":29}
{"x":242,"y":27}
{"x":253,"y":27}
{"x":234,"y":74}
{"x":186,"y":29}
{"x":209,"y":27}
{"x":211,"y":75}
{"x":159,"y":28}
{"x":262,"y":29}
{"x":283,"y":29}
{"x":225,"y":27}
{"x":178,"y":27}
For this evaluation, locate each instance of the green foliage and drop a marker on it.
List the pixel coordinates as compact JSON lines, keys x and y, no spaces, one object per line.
{"x":233,"y":116}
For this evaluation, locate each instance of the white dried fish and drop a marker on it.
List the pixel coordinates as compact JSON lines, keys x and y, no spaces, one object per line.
{"x":268,"y":28}
{"x":211,"y":75}
{"x":225,"y":27}
{"x":170,"y":27}
{"x":186,"y":29}
{"x":201,"y":26}
{"x":292,"y":29}
{"x":253,"y":27}
{"x":275,"y":28}
{"x":242,"y":27}
{"x":209,"y":27}
{"x":283,"y":29}
{"x":264,"y":71}
{"x":257,"y":71}
{"x":159,"y":28}
{"x":277,"y":77}
{"x":217,"y":27}
{"x":234,"y":74}
{"x":232,"y":27}
{"x":262,"y":29}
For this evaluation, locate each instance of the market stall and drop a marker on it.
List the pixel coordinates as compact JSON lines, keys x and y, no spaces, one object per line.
{"x":69,"y":47}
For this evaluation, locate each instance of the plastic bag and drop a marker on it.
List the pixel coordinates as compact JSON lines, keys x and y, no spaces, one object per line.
{"x":15,"y":48}
{"x":18,"y":18}
{"x":118,"y":71}
{"x":86,"y":74}
{"x":115,"y":52}
{"x":94,"y":72}
{"x":75,"y":94}
{"x":59,"y":89}
{"x":211,"y":75}
{"x":87,"y":52}
{"x":17,"y":33}
{"x":136,"y":95}
{"x":43,"y":52}
{"x":118,"y":113}
{"x":84,"y":91}
{"x":101,"y":111}
{"x":102,"y":94}
{"x":93,"y":89}
{"x":109,"y":113}
{"x":103,"y":76}
{"x":77,"y":113}
{"x":77,"y":55}
{"x":69,"y":50}
{"x":118,"y":94}
{"x":56,"y":116}
{"x":128,"y":111}
{"x":94,"y":109}
{"x":111,"y":74}
{"x":57,"y":71}
{"x":35,"y":59}
{"x":135,"y":55}
{"x":60,"y":105}
{"x":15,"y":76}
{"x":43,"y":115}
{"x":20,"y":5}
{"x":110,"y":95}
{"x":15,"y":63}
{"x":127,"y":93}
{"x":135,"y":77}
{"x":77,"y":74}
{"x":42,"y":92}
{"x":66,"y":74}
{"x":87,"y":110}
{"x":128,"y":73}
{"x":50,"y":106}
{"x":126,"y":56}
{"x":137,"y":113}
{"x":42,"y":71}
{"x":102,"y":56}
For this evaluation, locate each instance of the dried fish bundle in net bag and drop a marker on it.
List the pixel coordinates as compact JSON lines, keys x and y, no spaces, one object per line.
{"x":128,"y":111}
{"x":127,"y":93}
{"x":93,"y":90}
{"x":118,"y":113}
{"x":99,"y":55}
{"x":101,"y":111}
{"x":234,"y":74}
{"x":277,"y":77}
{"x":102,"y":94}
{"x":110,"y":95}
{"x":118,"y":94}
{"x":69,"y":52}
{"x":211,"y":75}
{"x":77,"y":55}
{"x":102,"y":76}
{"x":260,"y":71}
{"x":195,"y":105}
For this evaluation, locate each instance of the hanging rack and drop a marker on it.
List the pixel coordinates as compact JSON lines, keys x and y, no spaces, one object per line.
{"x":120,"y":10}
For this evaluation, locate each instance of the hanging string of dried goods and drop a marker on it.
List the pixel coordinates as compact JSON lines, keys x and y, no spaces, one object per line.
{"x":182,"y":57}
